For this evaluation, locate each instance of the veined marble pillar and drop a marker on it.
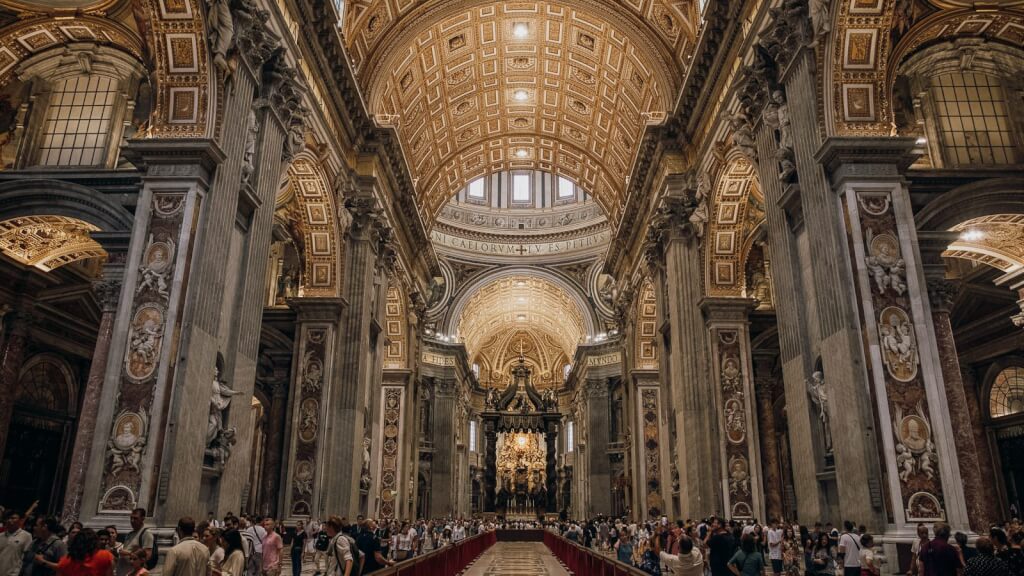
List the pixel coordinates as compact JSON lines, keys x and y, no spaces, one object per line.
{"x":918,"y":443}
{"x":108,"y":293}
{"x":346,"y":408}
{"x":764,"y":389}
{"x":273,"y":451}
{"x":983,"y":451}
{"x":11,"y":359}
{"x":490,"y":464}
{"x":941,"y":293}
{"x":739,"y":447}
{"x":315,"y":380}
{"x":678,"y":247}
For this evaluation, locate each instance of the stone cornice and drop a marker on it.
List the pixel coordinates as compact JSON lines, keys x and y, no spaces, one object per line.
{"x":311,"y":309}
{"x":867,"y":158}
{"x":718,"y":310}
{"x":721,"y":24}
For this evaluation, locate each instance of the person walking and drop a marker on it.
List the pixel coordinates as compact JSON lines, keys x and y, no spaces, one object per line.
{"x":14,"y":544}
{"x":189,"y":557}
{"x":339,"y":559}
{"x":140,"y":538}
{"x":234,"y":554}
{"x":721,"y":548}
{"x":747,"y":561}
{"x":298,"y":548}
{"x":272,"y":546}
{"x":984,"y":562}
{"x":47,"y":548}
{"x":849,"y":550}
{"x":85,"y":558}
{"x":938,"y":557}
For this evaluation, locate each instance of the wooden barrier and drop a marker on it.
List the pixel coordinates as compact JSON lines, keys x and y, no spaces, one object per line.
{"x":447,"y":561}
{"x":584,"y":561}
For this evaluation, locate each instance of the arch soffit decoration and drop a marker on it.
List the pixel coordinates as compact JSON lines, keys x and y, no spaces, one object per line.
{"x":729,"y":230}
{"x":1000,"y":242}
{"x":323,"y":258}
{"x":449,"y":87}
{"x":396,"y":350}
{"x":467,"y":291}
{"x":645,"y":333}
{"x":857,"y":86}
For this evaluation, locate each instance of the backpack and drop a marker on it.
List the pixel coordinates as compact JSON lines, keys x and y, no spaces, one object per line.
{"x":352,"y":549}
{"x":322,"y":542}
{"x":154,"y":554}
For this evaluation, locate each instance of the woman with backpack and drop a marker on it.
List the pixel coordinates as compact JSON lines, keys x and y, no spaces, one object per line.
{"x":747,"y":561}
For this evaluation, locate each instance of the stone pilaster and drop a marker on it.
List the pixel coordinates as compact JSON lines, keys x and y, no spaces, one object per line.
{"x":443,"y":500}
{"x":903,"y":355}
{"x":108,"y":293}
{"x":356,"y":358}
{"x":490,"y":464}
{"x":675,"y":242}
{"x":392,"y":410}
{"x":315,"y":380}
{"x":739,"y":446}
{"x":598,"y":477}
{"x":651,"y":442}
{"x":983,"y":451}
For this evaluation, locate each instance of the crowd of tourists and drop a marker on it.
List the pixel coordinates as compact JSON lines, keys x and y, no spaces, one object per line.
{"x":39,"y":545}
{"x":232,"y":546}
{"x":716,"y":547}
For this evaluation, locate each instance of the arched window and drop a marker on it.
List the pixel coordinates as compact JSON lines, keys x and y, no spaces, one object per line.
{"x":1007,"y":395}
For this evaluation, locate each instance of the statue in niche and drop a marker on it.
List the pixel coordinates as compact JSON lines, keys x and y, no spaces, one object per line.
{"x":550,"y":399}
{"x":222,"y":31}
{"x":218,"y":438}
{"x":742,"y":137}
{"x":491,"y":402}
{"x":821,"y":20}
{"x":606,"y":289}
{"x":819,"y":396}
{"x":785,"y":152}
{"x":699,"y":217}
{"x":252,"y":130}
{"x":364,"y":477}
{"x":761,"y":290}
{"x":436,"y":291}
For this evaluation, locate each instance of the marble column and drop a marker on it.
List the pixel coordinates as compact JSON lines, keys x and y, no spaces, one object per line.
{"x":11,"y":359}
{"x":108,"y":293}
{"x":315,"y":378}
{"x":273,"y":450}
{"x":941,"y":295}
{"x":551,"y":445}
{"x":598,"y":478}
{"x":348,"y":401}
{"x":739,"y":448}
{"x":764,"y":389}
{"x":676,"y":243}
{"x":986,"y":467}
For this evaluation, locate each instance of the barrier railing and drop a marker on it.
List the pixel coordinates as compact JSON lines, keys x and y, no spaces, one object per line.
{"x":584,"y":561}
{"x":446,"y":561}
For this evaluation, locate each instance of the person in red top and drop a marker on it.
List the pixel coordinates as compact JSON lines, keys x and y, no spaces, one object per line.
{"x":938,"y":557}
{"x":85,"y":557}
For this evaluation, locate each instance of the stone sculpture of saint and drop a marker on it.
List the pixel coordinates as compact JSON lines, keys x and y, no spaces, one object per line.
{"x":220,"y":399}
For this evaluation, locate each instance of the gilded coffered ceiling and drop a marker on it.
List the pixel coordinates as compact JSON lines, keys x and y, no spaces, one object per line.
{"x":527,"y":303}
{"x":475,"y":87}
{"x":48,"y":242}
{"x":996,"y":240}
{"x":540,"y":352}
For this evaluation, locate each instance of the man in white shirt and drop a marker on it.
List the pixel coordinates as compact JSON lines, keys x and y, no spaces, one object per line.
{"x":459,"y":533}
{"x":14,"y":543}
{"x":689,"y":561}
{"x":849,"y":549}
{"x":188,"y":557}
{"x":775,"y":547}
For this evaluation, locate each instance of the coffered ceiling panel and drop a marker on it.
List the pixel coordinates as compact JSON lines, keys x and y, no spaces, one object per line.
{"x":478,"y":87}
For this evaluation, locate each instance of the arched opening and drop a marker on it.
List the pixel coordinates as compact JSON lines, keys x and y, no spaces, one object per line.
{"x":40,"y":435}
{"x":1003,"y":407}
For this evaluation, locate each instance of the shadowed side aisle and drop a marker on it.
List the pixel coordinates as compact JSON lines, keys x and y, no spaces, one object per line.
{"x":515,"y":558}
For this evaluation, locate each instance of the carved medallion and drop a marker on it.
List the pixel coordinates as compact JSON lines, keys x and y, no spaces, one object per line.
{"x":898,"y":344}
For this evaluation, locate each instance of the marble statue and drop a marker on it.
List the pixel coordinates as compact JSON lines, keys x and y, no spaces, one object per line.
{"x":220,"y":399}
{"x":252,"y":130}
{"x":221,"y":28}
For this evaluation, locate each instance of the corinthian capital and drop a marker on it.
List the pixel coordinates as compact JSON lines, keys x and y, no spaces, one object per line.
{"x":108,"y":292}
{"x":364,"y":212}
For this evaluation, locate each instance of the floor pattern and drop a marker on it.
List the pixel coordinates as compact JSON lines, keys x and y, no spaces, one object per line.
{"x":516,"y":559}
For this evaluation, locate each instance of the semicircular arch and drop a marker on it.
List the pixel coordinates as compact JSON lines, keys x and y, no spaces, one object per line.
{"x":728,"y":227}
{"x":323,"y":256}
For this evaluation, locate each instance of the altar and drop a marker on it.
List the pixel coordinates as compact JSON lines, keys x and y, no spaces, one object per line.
{"x":520,"y":441}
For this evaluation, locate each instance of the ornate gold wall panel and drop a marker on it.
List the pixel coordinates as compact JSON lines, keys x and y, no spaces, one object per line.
{"x":645,"y":336}
{"x":475,"y":88}
{"x":323,"y":256}
{"x":396,"y":351}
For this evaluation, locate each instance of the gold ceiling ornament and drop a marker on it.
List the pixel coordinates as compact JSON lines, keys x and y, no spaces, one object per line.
{"x":527,"y":303}
{"x":48,"y":242}
{"x":996,"y":240}
{"x":728,"y":231}
{"x":480,"y":87}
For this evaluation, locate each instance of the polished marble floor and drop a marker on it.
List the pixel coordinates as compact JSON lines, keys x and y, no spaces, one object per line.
{"x":517,"y":559}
